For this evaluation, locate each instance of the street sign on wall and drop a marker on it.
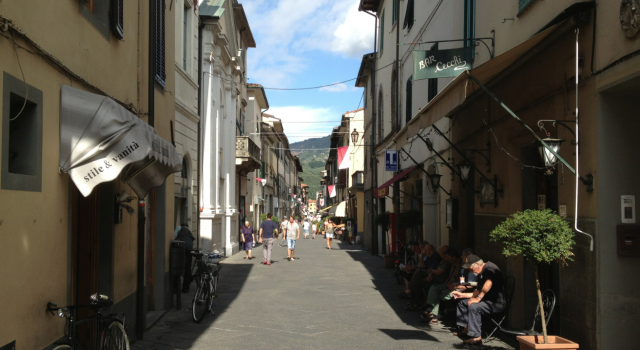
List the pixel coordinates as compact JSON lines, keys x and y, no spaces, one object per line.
{"x":441,"y":63}
{"x":391,"y":160}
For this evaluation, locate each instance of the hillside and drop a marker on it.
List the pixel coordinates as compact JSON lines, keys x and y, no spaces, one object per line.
{"x":313,"y":158}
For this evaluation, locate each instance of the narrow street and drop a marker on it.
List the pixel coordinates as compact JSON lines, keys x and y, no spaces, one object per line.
{"x":327,"y":299}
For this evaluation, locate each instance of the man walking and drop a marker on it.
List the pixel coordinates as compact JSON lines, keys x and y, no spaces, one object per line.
{"x":291,"y":228}
{"x":183,"y":233}
{"x":267,"y":229}
{"x":306,"y":229}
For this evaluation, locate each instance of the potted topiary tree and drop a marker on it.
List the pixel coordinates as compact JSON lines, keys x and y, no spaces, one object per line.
{"x":540,"y":236}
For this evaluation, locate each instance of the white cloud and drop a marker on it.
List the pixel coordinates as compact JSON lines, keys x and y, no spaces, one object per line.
{"x":335,"y":88}
{"x":300,"y":122}
{"x":287,"y":31}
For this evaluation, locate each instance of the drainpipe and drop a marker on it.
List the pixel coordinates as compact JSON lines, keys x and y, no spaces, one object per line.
{"x":140,"y":314}
{"x":396,"y":186}
{"x":374,"y":231}
{"x":263,"y":152}
{"x":200,"y":99}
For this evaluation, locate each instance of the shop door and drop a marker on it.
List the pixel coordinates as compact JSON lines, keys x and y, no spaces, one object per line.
{"x":86,"y":250}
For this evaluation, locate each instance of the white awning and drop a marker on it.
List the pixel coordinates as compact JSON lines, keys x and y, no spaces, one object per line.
{"x":100,"y":140}
{"x":340,"y":210}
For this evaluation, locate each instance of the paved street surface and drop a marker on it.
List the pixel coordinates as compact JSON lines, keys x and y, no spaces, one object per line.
{"x":328,"y":299}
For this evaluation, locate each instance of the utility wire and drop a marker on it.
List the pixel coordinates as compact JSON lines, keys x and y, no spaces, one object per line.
{"x":338,"y":83}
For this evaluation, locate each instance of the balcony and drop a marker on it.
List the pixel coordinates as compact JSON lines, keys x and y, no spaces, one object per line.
{"x":357,"y":181}
{"x":247,"y":155}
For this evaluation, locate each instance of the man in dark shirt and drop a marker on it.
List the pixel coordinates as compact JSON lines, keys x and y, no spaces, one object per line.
{"x":267,"y":229}
{"x":488,"y":299}
{"x":185,"y":235}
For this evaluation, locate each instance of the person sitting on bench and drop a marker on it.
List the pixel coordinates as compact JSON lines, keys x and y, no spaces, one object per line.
{"x":488,"y":299}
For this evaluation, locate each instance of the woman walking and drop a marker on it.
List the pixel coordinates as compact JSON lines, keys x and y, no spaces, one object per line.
{"x":314,"y":227}
{"x":247,"y":239}
{"x":329,"y":229}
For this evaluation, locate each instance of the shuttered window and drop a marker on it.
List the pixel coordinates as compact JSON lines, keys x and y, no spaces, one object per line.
{"x":161,"y":74}
{"x":408,"y":16}
{"x":469,"y":25}
{"x":396,"y":13}
{"x":409,"y":92}
{"x":117,"y":18}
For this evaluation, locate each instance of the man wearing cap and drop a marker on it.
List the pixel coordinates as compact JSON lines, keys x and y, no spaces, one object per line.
{"x":488,"y":299}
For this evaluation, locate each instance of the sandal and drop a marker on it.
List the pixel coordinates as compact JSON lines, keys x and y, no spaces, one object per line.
{"x":426,"y":316}
{"x":473,"y":341}
{"x":434,"y":321}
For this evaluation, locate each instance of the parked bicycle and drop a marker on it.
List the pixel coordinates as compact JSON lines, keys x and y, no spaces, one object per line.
{"x":206,"y":277}
{"x":403,"y":257}
{"x":111,"y":332}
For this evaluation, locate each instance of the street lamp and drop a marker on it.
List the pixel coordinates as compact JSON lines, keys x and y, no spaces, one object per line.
{"x":354,"y":136}
{"x":464,"y":171}
{"x":435,"y":181}
{"x":549,"y":159}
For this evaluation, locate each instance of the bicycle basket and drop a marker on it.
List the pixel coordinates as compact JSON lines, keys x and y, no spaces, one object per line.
{"x":212,"y":258}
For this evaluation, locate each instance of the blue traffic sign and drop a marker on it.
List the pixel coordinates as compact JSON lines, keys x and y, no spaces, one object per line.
{"x":391,"y":160}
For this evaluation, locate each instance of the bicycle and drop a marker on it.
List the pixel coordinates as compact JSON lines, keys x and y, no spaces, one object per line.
{"x":405,"y":254}
{"x":206,"y":278}
{"x":111,"y":331}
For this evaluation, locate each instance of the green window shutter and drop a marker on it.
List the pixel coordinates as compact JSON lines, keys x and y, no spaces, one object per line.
{"x":395,"y":12}
{"x":117,"y":18}
{"x":523,"y":4}
{"x":408,"y":16}
{"x":432,"y":84}
{"x":262,"y":170}
{"x":409,"y":92}
{"x":161,"y":74}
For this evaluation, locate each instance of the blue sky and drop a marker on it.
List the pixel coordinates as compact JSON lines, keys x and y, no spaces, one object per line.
{"x":308,"y":43}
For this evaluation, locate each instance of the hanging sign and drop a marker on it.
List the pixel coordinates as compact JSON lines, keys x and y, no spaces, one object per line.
{"x":391,"y":160}
{"x":441,"y":63}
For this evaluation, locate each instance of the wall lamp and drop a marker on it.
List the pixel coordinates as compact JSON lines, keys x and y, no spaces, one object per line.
{"x":435,"y":183}
{"x":354,"y":136}
{"x":486,"y":157}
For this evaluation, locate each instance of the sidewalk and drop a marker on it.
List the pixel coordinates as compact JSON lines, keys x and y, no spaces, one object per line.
{"x":327,"y":299}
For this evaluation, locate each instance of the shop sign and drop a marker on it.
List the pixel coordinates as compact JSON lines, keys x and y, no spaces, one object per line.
{"x":391,"y":160}
{"x":441,"y":63}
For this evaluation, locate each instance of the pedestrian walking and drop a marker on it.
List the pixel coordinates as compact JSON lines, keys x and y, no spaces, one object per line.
{"x":247,"y":239}
{"x":268,"y":229}
{"x":291,"y":229}
{"x":182,"y":233}
{"x":314,"y":227}
{"x":329,"y":229}
{"x":305,"y":226}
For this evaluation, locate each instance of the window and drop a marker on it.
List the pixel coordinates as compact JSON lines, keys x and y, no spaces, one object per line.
{"x":97,"y":13}
{"x":21,"y":136}
{"x":159,"y":39}
{"x":409,"y":92}
{"x":432,"y":84}
{"x":117,"y":18}
{"x":382,"y":32}
{"x":185,"y":36}
{"x":396,"y":13}
{"x":394,"y":98}
{"x":469,"y":29}
{"x":523,"y":5}
{"x":408,"y":16}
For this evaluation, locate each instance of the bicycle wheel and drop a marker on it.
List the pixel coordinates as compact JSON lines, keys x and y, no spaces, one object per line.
{"x":115,"y":337}
{"x":201,"y":302}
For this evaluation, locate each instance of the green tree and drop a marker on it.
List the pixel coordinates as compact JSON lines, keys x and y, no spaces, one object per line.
{"x":540,"y":236}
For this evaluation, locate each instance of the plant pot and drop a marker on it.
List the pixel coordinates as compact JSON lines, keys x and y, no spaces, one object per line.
{"x":389,"y":261}
{"x":535,"y":342}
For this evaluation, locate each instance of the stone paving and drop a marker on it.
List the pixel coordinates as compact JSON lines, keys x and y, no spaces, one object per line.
{"x":327,"y":299}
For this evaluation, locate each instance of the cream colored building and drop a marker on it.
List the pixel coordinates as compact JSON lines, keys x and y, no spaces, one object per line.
{"x":225,"y":39}
{"x":187,"y":115}
{"x":57,"y":244}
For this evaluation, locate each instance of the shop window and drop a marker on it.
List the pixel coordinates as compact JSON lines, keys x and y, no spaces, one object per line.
{"x":21,"y":136}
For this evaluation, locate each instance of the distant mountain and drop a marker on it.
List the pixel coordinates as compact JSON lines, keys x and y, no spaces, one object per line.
{"x":313,"y":158}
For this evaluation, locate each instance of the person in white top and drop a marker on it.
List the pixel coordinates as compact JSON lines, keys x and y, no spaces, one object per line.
{"x":314,"y":227}
{"x":305,"y":226}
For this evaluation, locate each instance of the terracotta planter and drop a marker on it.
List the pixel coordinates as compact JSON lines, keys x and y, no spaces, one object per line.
{"x":534,"y":342}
